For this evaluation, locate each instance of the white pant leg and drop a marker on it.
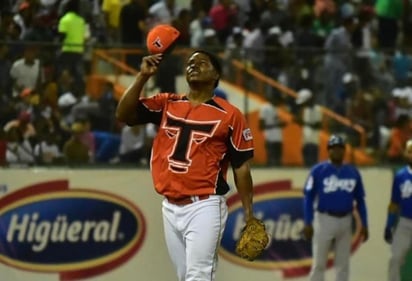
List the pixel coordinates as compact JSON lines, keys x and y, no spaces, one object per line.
{"x":193,"y":233}
{"x":324,"y":230}
{"x":401,"y":243}
{"x":342,"y":248}
{"x":203,"y":232}
{"x":174,"y":239}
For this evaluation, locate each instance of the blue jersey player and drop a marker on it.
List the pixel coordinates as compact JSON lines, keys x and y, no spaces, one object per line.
{"x":331,"y":192}
{"x":400,"y":206}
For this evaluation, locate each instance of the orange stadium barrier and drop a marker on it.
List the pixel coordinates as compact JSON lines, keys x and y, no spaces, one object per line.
{"x":95,"y":83}
{"x":292,"y":136}
{"x":292,"y":133}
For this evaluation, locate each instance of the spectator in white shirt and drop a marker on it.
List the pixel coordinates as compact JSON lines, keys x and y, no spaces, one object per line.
{"x":132,"y":140}
{"x":310,"y":117}
{"x":271,"y":126}
{"x":19,"y":150}
{"x":47,"y":151}
{"x":25,"y":72}
{"x":197,"y":29}
{"x":163,"y":12}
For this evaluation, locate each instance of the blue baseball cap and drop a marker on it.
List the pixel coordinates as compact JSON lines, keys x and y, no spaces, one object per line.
{"x":336,"y":140}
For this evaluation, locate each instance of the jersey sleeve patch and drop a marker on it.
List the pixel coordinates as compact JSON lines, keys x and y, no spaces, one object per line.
{"x":247,"y":134}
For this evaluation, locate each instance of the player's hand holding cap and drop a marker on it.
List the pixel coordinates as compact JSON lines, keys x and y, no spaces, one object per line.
{"x":161,"y":39}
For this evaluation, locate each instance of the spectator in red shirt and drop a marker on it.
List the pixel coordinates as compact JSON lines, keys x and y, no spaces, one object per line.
{"x":23,"y":124}
{"x":223,"y":15}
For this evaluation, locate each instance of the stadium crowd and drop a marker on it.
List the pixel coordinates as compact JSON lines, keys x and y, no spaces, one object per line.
{"x":352,"y":56}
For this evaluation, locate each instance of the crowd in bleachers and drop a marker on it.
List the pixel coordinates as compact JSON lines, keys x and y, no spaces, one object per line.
{"x":354,"y":56}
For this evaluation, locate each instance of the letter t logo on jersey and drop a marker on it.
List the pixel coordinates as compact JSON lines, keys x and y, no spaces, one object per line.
{"x":186,"y":134}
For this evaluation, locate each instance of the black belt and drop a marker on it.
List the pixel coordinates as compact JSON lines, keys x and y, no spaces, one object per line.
{"x":335,"y":214}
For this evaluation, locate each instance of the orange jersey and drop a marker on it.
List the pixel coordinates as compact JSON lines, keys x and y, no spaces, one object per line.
{"x":194,"y":144}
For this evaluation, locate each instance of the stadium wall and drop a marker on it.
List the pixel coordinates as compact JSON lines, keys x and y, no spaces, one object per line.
{"x":129,"y":245}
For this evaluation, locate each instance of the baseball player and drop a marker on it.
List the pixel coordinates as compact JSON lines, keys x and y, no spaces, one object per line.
{"x":330,"y":191}
{"x":400,"y":206}
{"x":199,"y":135}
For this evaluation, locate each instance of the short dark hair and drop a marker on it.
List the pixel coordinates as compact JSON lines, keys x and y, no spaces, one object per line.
{"x":214,"y":60}
{"x":71,"y":6}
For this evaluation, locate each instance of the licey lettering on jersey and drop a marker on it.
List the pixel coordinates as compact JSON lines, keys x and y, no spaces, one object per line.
{"x":333,"y":183}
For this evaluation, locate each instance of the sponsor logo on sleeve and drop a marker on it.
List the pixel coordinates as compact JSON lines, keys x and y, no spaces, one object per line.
{"x":75,"y":232}
{"x":281,"y":209}
{"x":247,"y":134}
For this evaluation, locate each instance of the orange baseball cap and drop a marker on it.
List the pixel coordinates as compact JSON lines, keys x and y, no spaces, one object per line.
{"x":26,"y":92}
{"x":24,"y":5}
{"x":161,"y":38}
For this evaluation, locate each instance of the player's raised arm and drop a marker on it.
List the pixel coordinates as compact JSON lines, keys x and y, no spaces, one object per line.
{"x":127,"y":108}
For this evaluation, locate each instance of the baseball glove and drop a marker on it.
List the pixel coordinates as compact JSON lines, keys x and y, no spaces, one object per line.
{"x":253,"y":240}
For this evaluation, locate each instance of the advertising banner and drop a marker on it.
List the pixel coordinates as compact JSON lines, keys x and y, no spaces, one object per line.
{"x":104,"y":225}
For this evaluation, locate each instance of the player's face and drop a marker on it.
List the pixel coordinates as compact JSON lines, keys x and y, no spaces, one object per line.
{"x":336,"y":153}
{"x":200,"y":69}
